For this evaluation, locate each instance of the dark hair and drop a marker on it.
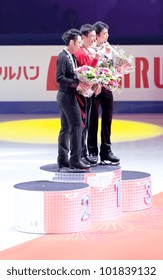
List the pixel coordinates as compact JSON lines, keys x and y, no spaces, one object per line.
{"x":99,"y":26}
{"x":85,"y":29}
{"x":71,"y":34}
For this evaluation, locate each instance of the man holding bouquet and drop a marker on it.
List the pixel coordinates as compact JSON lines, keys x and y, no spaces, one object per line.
{"x":105,"y":100}
{"x":71,"y":121}
{"x":85,"y":57}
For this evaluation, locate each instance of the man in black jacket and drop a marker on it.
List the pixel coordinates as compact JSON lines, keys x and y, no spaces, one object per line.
{"x":71,"y":121}
{"x":105,"y":101}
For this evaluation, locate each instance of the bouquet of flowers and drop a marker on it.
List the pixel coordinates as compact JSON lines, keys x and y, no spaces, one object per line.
{"x":87,"y":74}
{"x":123,"y":60}
{"x":107,"y":77}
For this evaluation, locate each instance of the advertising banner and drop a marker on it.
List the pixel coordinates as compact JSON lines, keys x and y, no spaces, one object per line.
{"x":27,"y":73}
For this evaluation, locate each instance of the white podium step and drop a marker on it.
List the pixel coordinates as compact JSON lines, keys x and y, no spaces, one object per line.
{"x":52,"y":207}
{"x":136,"y":190}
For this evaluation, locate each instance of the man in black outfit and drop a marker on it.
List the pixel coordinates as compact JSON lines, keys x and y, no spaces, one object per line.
{"x":105,"y":101}
{"x":71,"y":121}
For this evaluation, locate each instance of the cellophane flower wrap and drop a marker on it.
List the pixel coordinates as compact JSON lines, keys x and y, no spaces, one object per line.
{"x":122,"y":59}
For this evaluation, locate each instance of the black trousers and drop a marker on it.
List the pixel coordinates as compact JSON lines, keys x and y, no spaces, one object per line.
{"x":71,"y":128}
{"x":105,"y":101}
{"x":85,"y":109}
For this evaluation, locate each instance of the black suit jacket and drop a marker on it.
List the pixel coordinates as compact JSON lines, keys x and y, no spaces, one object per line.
{"x":65,"y":75}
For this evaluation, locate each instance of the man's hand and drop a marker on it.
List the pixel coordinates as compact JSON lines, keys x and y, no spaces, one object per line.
{"x":97,"y":88}
{"x":124,"y":68}
{"x":83,"y":86}
{"x":98,"y":55}
{"x":107,"y":47}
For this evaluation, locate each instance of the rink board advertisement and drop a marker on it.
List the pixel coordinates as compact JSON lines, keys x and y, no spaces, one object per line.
{"x":27,"y":73}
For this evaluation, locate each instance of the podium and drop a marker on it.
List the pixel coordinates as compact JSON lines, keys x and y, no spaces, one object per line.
{"x":52,"y":207}
{"x":136,"y":190}
{"x":74,"y":200}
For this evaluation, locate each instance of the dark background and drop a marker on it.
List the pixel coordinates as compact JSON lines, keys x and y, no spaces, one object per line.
{"x":41,"y":22}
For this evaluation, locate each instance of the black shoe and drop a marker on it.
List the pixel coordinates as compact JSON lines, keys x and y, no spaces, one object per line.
{"x":109,"y":158}
{"x":86,"y":161}
{"x":63,"y":164}
{"x":80,"y":165}
{"x":83,"y":159}
{"x":93,"y":157}
{"x":90,"y":159}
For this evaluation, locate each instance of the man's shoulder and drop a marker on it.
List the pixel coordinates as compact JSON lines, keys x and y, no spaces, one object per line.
{"x":79,"y":52}
{"x":62,"y":55}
